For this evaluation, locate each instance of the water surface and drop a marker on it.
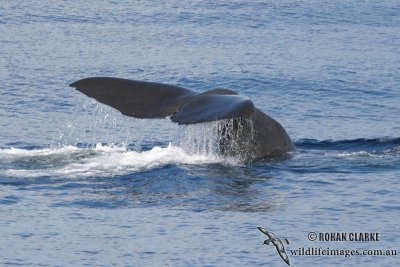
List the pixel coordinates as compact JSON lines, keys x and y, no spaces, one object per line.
{"x":80,"y":184}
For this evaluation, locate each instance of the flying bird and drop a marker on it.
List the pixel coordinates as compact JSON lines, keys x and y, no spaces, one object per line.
{"x":274,"y":240}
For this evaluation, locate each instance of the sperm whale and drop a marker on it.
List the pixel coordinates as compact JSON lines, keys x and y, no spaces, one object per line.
{"x":252,"y":135}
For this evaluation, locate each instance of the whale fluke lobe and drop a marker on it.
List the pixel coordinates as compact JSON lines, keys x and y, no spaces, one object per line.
{"x":255,"y":135}
{"x":135,"y":98}
{"x":212,"y":107}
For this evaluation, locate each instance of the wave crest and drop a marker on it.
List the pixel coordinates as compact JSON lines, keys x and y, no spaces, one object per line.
{"x":374,"y":146}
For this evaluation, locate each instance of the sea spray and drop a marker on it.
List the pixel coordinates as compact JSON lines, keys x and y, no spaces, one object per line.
{"x":96,"y":123}
{"x":223,"y":138}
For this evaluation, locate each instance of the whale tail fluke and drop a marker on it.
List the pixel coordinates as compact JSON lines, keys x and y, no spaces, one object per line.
{"x":155,"y":100}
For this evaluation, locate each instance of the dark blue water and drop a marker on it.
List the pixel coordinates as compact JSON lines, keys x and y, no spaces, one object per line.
{"x":80,"y":184}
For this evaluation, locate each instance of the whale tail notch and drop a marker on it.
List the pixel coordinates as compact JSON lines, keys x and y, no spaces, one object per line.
{"x":156,"y":100}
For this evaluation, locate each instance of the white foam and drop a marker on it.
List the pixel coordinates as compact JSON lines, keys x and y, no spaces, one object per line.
{"x":71,"y":161}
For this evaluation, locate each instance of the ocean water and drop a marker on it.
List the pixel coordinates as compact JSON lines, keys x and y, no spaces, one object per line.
{"x":82,"y":185}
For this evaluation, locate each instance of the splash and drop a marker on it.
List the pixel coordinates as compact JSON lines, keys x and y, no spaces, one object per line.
{"x":203,"y":143}
{"x":99,"y":161}
{"x":223,"y":138}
